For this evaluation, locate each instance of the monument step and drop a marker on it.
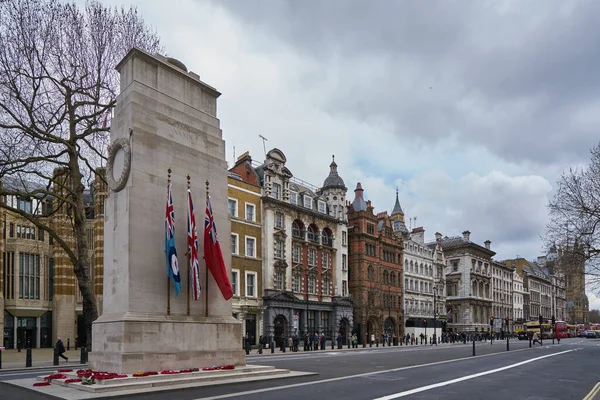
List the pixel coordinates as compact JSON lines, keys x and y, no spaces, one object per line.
{"x":154,"y":381}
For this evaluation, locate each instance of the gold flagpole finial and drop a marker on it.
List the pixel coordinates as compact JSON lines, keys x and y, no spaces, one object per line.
{"x":207,"y":184}
{"x":188,"y":181}
{"x":169,"y":175}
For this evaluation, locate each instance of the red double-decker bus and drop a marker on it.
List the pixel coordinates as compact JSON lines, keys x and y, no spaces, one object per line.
{"x":560,"y":329}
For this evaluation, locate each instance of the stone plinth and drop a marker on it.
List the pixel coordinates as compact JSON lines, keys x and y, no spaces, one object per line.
{"x":168,"y":118}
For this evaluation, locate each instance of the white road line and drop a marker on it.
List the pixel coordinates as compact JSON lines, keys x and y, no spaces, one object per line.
{"x":465,"y":378}
{"x":341,"y":378}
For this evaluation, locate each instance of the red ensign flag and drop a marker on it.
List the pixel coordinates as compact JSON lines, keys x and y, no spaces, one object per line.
{"x":213,"y":255}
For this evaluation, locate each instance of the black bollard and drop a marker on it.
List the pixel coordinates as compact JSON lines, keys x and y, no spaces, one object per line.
{"x":529,"y":342}
{"x":28,"y":358}
{"x":349,"y":343}
{"x":68,"y":344}
{"x":332,"y":345}
{"x":0,"y":359}
{"x":260,"y":345}
{"x":364,"y":344}
{"x":473,"y":348}
{"x":18,"y":346}
{"x":507,"y":345}
{"x":272,"y":347}
{"x":76,"y":340}
{"x":55,"y":360}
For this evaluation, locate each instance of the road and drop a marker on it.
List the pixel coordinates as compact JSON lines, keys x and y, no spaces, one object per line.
{"x":565,"y":371}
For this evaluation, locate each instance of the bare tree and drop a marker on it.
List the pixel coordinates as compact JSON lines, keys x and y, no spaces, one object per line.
{"x":574,"y":227}
{"x":57,"y":87}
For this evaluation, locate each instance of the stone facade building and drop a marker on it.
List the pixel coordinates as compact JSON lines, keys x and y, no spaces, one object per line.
{"x":38,"y":289}
{"x":305,"y":252}
{"x":245,"y":211}
{"x":375,"y":271}
{"x":518,"y":317}
{"x":502,"y":291}
{"x":468,"y":283}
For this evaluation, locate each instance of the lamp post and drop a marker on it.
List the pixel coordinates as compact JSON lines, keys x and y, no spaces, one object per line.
{"x":307,"y":337}
{"x":435,"y":289}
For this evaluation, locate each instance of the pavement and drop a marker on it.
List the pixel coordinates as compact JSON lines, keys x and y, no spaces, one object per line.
{"x":13,"y":359}
{"x":562,"y":371}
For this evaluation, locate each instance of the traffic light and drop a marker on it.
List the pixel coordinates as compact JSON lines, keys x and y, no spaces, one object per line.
{"x":553,"y":320}
{"x":491,"y":321}
{"x":506,"y":320}
{"x":425,"y":322}
{"x":541,"y":320}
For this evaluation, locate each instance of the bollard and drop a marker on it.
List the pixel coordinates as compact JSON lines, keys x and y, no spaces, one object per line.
{"x":28,"y":358}
{"x":473,"y":348}
{"x":552,"y":339}
{"x":260,"y":346}
{"x":332,"y":344}
{"x":0,"y":359}
{"x":68,"y":344}
{"x":529,"y":342}
{"x":85,"y":354}
{"x":364,"y":345}
{"x":272,"y":345}
{"x":76,"y":340}
{"x":55,"y":360}
{"x":349,"y":343}
{"x":507,"y":345}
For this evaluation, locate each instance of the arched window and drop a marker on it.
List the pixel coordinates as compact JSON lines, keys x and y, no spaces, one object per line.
{"x":327,"y":237}
{"x":406,"y":284}
{"x":386,"y":277}
{"x":325,"y":285}
{"x":312,"y":234}
{"x":406,"y":265}
{"x":298,"y":229}
{"x":370,"y":273}
{"x":421,"y":269}
{"x":393,"y":279}
{"x":411,"y":266}
{"x":430,"y":270}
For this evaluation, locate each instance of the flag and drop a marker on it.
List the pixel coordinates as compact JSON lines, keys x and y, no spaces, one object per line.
{"x":193,"y":247}
{"x":170,"y":250}
{"x":213,"y":255}
{"x":106,"y":115}
{"x":448,"y":314}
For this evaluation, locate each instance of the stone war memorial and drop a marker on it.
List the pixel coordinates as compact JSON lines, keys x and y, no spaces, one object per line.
{"x":165,"y":118}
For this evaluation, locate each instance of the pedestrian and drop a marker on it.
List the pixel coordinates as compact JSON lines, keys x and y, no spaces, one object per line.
{"x":536,"y":339}
{"x":60,"y":349}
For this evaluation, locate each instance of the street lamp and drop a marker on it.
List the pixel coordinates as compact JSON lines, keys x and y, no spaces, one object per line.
{"x":435,"y":289}
{"x":307,"y":337}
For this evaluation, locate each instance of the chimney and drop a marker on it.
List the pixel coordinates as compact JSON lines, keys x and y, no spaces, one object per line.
{"x":487,"y":244}
{"x":467,"y":235}
{"x":438,"y":236}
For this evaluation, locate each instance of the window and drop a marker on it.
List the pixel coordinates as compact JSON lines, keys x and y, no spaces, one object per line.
{"x":296,"y":283}
{"x":370,"y":229}
{"x":294,"y":197}
{"x":232,"y":207}
{"x":11,"y":230}
{"x":344,"y":238}
{"x":324,"y":321}
{"x":297,"y":231}
{"x":250,"y":284}
{"x":312,"y":282}
{"x":250,"y":246}
{"x":234,"y":243}
{"x":24,"y":205}
{"x":307,"y":202}
{"x":296,"y":254}
{"x":344,"y":262}
{"x":276,"y":191}
{"x":278,"y":248}
{"x":370,"y":273}
{"x":29,"y":276}
{"x":326,"y":260}
{"x":455,"y":265}
{"x":235,"y":282}
{"x":325,"y":285}
{"x":313,"y":234}
{"x":322,"y":206}
{"x":279,"y":220}
{"x":18,"y":231}
{"x":312,"y":257}
{"x":344,"y":288}
{"x":250,"y":208}
{"x":278,"y":280}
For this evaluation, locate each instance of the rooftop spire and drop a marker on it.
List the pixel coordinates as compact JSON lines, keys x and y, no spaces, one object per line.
{"x":334,"y":181}
{"x":397,"y":209}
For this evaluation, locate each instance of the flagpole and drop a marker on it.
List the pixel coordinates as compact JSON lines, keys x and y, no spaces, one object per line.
{"x":168,"y":279}
{"x":188,"y":252}
{"x":206,"y":280}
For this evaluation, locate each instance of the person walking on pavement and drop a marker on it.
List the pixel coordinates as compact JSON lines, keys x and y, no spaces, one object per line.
{"x":536,"y":339}
{"x":60,"y":349}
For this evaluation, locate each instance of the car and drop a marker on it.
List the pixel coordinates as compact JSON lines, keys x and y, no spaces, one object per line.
{"x":591,"y":335}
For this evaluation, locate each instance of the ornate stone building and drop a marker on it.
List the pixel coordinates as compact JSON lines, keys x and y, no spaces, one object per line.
{"x":518,"y":316}
{"x":468,"y":283}
{"x":244,"y":206}
{"x":304,"y":252}
{"x":375,"y":270}
{"x":423,"y":278}
{"x":502,"y":291}
{"x":38,"y":288}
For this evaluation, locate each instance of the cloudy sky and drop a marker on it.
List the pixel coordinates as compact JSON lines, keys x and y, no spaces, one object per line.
{"x":471,"y":108}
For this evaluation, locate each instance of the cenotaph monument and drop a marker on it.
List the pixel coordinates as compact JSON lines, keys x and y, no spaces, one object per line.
{"x":165,"y":118}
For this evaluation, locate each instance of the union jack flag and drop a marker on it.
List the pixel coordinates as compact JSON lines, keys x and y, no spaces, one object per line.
{"x":170,"y":250}
{"x":193,"y":247}
{"x":213,"y":255}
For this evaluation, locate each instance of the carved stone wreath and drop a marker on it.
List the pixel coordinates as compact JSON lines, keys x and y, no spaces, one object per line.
{"x":118,"y":184}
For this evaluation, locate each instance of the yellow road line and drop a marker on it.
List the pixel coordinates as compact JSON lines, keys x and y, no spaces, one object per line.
{"x":593,"y":392}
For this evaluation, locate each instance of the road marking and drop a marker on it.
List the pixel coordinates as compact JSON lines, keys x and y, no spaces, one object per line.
{"x":465,"y":378}
{"x":341,"y":378}
{"x":593,"y":392}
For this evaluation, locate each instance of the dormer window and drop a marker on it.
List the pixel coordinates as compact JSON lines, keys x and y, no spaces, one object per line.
{"x":294,"y":197}
{"x":276,"y":191}
{"x":307,"y":202}
{"x":322,"y":207}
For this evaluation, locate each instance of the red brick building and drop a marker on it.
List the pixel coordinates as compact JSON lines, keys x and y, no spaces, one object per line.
{"x":375,"y":270}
